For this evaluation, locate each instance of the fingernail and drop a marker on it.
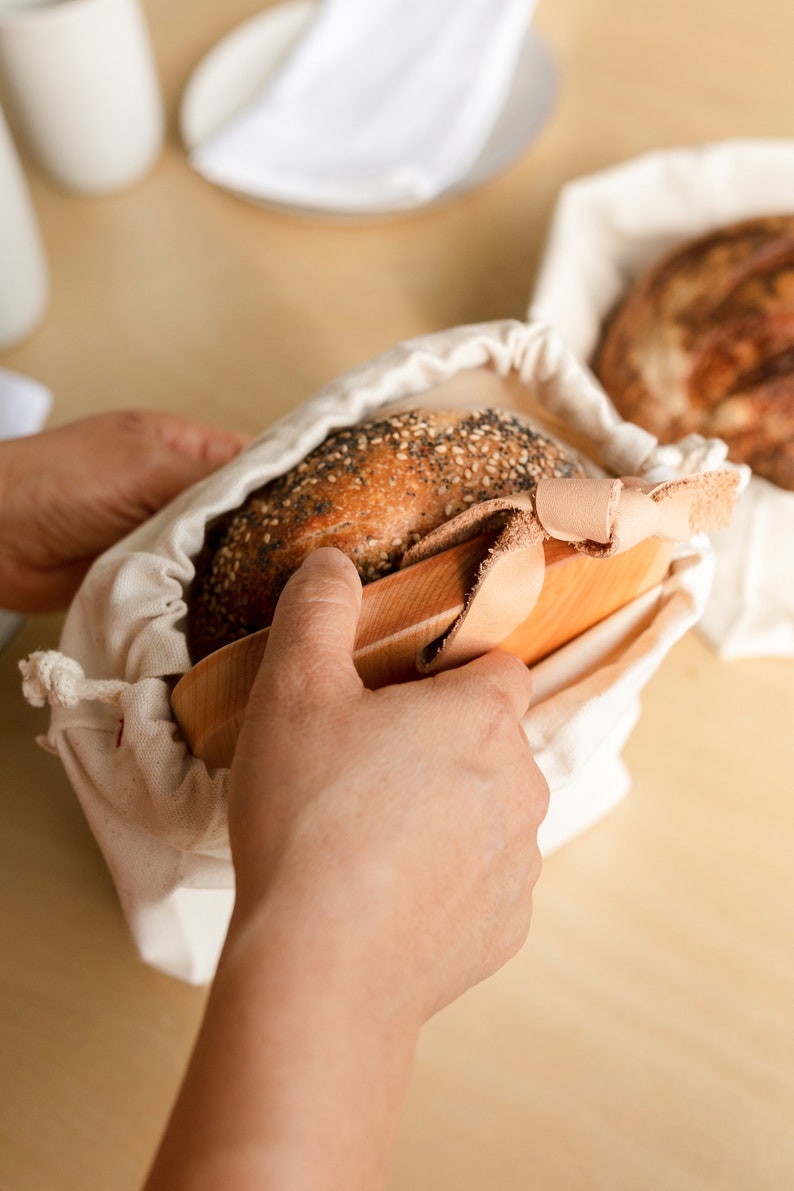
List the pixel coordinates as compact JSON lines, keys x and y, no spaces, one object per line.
{"x":327,"y":556}
{"x":221,"y":449}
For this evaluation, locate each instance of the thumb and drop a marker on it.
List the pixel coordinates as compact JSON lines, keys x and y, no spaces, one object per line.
{"x":314,"y":627}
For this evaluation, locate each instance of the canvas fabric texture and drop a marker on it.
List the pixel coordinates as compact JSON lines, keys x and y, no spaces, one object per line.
{"x":607,"y":229}
{"x":157,"y":812}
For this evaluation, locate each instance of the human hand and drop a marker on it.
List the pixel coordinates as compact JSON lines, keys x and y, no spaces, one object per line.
{"x":385,"y":852}
{"x":402,"y":821}
{"x":70,"y":493}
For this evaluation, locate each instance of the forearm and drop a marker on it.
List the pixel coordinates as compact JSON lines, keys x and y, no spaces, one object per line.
{"x":299,"y":1072}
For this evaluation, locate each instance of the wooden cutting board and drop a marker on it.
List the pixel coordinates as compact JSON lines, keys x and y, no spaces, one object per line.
{"x":403,"y":613}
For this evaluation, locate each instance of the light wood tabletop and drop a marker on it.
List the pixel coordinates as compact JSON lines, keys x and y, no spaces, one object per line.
{"x":643,"y":1040}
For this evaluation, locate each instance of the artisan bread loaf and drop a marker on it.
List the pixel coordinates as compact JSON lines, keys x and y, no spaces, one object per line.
{"x":372,"y":490}
{"x":704,"y":342}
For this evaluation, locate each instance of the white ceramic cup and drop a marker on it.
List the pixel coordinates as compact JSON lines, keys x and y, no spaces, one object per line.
{"x":81,"y":79}
{"x":24,"y":277}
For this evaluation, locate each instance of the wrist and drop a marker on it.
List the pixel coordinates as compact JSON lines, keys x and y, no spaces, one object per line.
{"x":299,"y":1072}
{"x":312,"y":943}
{"x":339,"y":909}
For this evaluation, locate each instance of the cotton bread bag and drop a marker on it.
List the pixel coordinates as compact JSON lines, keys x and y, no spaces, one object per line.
{"x":158,"y":813}
{"x":607,"y":229}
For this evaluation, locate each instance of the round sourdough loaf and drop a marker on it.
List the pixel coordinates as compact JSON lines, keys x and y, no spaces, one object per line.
{"x":372,"y":490}
{"x":704,"y":343}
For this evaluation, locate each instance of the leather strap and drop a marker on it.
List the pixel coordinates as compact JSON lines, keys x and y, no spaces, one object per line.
{"x":600,"y":517}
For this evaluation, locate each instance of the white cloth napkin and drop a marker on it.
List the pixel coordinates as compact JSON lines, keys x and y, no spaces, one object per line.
{"x":608,"y":228}
{"x":382,"y":105}
{"x":24,"y":405}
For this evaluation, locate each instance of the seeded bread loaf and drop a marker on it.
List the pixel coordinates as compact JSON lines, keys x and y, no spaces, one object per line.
{"x":372,"y":490}
{"x":704,"y":342}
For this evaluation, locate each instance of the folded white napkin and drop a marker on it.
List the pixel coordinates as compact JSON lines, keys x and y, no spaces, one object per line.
{"x":382,"y":105}
{"x":606,"y":230}
{"x":24,"y":405}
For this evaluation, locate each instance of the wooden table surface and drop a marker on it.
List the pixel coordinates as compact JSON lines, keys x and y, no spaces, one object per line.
{"x":643,"y":1039}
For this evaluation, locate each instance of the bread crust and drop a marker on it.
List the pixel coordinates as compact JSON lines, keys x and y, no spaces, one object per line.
{"x":372,"y":490}
{"x":704,"y":343}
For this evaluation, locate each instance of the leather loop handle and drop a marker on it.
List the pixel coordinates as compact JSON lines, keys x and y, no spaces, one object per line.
{"x":600,"y":517}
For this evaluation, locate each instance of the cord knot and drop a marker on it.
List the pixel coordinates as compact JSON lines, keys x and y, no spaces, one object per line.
{"x":51,"y":677}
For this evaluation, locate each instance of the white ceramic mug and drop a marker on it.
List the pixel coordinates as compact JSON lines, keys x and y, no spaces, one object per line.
{"x":82,"y":81}
{"x":24,"y":278}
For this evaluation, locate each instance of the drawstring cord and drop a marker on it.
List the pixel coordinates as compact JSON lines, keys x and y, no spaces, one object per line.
{"x":51,"y":677}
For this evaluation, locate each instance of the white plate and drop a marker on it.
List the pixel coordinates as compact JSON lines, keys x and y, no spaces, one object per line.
{"x":233,"y":73}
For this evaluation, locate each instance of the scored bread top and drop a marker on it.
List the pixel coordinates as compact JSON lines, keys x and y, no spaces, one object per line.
{"x":372,"y":490}
{"x":704,"y":343}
